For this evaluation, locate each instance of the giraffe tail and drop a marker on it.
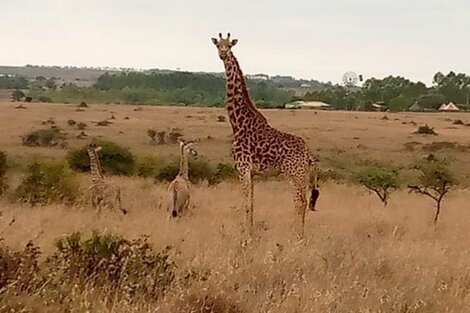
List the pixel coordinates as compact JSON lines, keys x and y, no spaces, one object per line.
{"x":315,"y":193}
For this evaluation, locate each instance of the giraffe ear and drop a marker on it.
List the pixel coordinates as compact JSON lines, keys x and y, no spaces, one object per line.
{"x":214,"y":41}
{"x":234,"y":42}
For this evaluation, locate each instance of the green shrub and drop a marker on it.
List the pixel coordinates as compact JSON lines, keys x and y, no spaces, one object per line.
{"x":83,"y":105}
{"x":112,"y":264}
{"x":3,"y":172}
{"x":223,"y":171}
{"x":379,"y":179}
{"x":114,"y":158}
{"x":44,"y":99}
{"x":48,"y":183}
{"x":49,"y":137}
{"x":71,"y":122}
{"x":199,"y":170}
{"x":149,"y":166}
{"x":426,"y":130}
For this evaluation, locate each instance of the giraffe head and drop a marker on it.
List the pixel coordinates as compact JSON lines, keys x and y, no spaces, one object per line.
{"x":224,"y":45}
{"x":94,"y":147}
{"x":188,"y":147}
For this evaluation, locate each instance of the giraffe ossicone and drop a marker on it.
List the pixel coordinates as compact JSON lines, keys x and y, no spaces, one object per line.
{"x":258,"y":146}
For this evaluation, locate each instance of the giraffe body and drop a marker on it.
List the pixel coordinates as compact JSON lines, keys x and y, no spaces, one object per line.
{"x":258,"y":146}
{"x":102,"y":193}
{"x":179,"y":190}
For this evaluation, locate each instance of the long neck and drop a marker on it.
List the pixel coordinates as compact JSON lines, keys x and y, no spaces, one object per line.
{"x":239,"y":103}
{"x":95,"y":166}
{"x":184,"y":167}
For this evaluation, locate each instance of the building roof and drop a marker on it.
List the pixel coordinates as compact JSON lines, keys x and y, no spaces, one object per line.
{"x":448,"y":107}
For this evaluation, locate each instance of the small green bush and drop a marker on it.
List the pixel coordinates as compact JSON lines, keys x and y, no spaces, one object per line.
{"x":223,"y":171}
{"x":3,"y":172}
{"x":48,"y":183}
{"x":426,"y":130}
{"x":111,"y":263}
{"x":49,"y":137}
{"x":149,"y":166}
{"x":83,"y":105}
{"x":115,"y":159}
{"x":458,"y":122}
{"x":44,"y":99}
{"x":71,"y":122}
{"x":199,"y":170}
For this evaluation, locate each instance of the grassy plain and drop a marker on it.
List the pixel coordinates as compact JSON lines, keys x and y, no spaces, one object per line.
{"x":357,"y":256}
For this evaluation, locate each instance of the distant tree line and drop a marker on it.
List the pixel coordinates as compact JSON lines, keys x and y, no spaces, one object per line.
{"x":166,"y":87}
{"x":397,"y":93}
{"x":14,"y":82}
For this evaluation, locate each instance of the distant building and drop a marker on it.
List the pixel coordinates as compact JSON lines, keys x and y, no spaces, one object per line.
{"x":449,"y":107}
{"x":258,"y":76}
{"x":305,"y":85}
{"x":379,"y":107}
{"x":307,"y":105}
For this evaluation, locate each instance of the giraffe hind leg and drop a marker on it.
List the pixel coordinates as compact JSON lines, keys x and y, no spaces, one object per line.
{"x":299,"y":188}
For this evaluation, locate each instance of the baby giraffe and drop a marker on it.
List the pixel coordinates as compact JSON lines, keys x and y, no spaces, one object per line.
{"x":179,"y":189}
{"x":102,"y":193}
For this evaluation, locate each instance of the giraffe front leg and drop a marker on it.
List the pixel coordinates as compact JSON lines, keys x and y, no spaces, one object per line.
{"x":247,"y":188}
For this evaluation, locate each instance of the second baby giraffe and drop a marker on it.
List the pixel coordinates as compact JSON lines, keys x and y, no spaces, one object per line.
{"x":179,"y":188}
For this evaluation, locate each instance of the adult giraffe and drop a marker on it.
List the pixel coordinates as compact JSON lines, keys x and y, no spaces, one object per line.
{"x":257,"y":146}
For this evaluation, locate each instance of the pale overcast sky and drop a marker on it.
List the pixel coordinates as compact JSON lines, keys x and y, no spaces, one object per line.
{"x":317,"y":39}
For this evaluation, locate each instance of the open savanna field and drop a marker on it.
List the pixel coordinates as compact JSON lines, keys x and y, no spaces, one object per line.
{"x":357,"y":256}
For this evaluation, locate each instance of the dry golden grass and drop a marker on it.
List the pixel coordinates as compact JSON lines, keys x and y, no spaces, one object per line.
{"x":357,"y":256}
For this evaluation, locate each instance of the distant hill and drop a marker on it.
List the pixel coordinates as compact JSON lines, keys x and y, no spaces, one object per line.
{"x":68,"y":74}
{"x":90,"y":75}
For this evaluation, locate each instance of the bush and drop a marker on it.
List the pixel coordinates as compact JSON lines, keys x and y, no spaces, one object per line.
{"x":83,"y":105}
{"x":426,"y":130}
{"x":379,"y":179}
{"x":3,"y":172}
{"x":112,"y":264}
{"x":152,"y":133}
{"x":114,"y":158}
{"x":199,"y":170}
{"x":44,"y":99}
{"x":149,"y":166}
{"x":48,"y":183}
{"x":49,"y":137}
{"x":173,"y":136}
{"x":71,"y":122}
{"x":18,"y":268}
{"x":458,"y":122}
{"x":223,"y":171}
{"x":81,"y":126}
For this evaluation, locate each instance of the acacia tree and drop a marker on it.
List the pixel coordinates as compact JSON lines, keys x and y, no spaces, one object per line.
{"x":17,"y":95}
{"x":379,"y":179}
{"x":435,"y":181}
